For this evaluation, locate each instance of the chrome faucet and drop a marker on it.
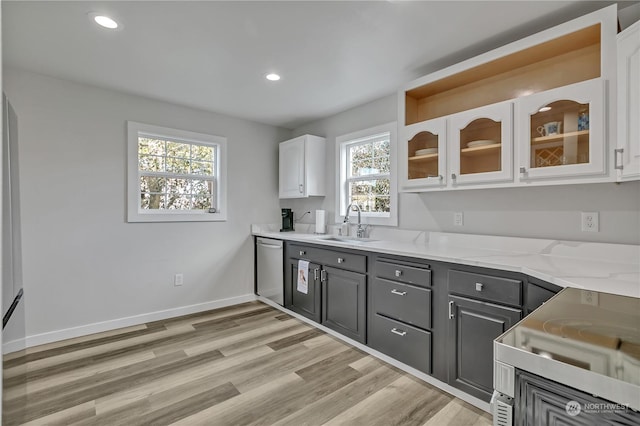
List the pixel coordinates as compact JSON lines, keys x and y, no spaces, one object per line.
{"x":361,"y":228}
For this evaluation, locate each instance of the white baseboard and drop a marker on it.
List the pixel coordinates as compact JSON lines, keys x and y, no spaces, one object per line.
{"x":14,"y":346}
{"x":97,"y":327}
{"x":477,"y":402}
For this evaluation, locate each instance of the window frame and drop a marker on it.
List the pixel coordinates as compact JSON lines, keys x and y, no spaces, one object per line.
{"x":137,"y":214}
{"x":342,"y":189}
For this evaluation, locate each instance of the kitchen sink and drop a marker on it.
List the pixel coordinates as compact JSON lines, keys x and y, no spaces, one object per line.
{"x":348,"y":240}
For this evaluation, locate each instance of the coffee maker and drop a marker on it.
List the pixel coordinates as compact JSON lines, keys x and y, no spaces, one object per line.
{"x":287,"y":220}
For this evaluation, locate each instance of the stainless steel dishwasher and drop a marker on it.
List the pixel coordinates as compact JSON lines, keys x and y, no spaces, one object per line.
{"x":270,"y":269}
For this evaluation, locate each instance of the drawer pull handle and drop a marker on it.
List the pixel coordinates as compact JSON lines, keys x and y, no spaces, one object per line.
{"x":398,"y":332}
{"x":399,"y":293}
{"x":398,"y":272}
{"x":302,"y":252}
{"x":340,"y":260}
{"x":451,"y":315}
{"x":479,"y":286}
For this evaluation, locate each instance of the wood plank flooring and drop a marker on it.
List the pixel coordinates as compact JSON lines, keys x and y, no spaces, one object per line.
{"x":248,"y":364}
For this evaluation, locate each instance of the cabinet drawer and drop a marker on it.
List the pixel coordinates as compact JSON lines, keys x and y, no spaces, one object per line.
{"x":402,"y":302}
{"x":305,"y":252}
{"x":342,"y":260}
{"x":403,"y":273}
{"x":486,"y":287}
{"x":401,"y":341}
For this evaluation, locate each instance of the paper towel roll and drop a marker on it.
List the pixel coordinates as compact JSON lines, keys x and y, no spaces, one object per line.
{"x":321,"y":226}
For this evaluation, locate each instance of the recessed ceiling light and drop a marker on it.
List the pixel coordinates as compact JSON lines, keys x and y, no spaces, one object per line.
{"x":545,"y":108}
{"x":272,"y":77}
{"x":105,"y":21}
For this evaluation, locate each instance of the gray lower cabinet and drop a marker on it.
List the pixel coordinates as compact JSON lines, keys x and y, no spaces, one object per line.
{"x":473,"y":325}
{"x":481,"y":306}
{"x":438,"y":318}
{"x":306,"y":304}
{"x":337,"y":288}
{"x":400,"y":312}
{"x":344,"y":298}
{"x":542,"y":402}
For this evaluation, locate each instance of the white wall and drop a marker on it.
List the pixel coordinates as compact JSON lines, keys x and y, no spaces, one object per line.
{"x":541,"y":212}
{"x":83,"y":263}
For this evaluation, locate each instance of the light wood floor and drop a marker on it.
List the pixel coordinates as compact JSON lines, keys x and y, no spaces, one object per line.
{"x":246,"y":364}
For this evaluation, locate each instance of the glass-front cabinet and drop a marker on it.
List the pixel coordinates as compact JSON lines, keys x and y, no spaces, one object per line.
{"x":481,"y":145}
{"x":424,"y":155}
{"x":561,"y":132}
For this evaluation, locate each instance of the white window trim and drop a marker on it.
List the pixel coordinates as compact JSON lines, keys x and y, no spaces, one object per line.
{"x":370,"y":218}
{"x":137,"y":214}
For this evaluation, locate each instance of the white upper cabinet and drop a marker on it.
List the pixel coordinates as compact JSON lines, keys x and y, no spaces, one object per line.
{"x":562,"y":132}
{"x":481,"y":145}
{"x":493,"y":107}
{"x":301,"y":166}
{"x":423,"y":154}
{"x":627,"y":159}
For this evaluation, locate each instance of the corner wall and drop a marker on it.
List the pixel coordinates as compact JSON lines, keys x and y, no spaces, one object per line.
{"x":85,"y":267}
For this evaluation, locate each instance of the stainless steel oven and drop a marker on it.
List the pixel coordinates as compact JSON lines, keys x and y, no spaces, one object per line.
{"x":584,"y":340}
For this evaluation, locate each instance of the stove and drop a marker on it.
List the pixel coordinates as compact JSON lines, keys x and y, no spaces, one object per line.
{"x":586,"y":340}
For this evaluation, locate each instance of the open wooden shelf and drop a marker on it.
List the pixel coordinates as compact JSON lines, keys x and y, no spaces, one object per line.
{"x":424,"y":157}
{"x":557,"y":137}
{"x":478,"y":150}
{"x":565,"y":60}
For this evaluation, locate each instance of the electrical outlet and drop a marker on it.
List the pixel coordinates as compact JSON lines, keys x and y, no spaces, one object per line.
{"x":589,"y":298}
{"x":458,"y":219}
{"x":178,"y":279}
{"x":590,"y":222}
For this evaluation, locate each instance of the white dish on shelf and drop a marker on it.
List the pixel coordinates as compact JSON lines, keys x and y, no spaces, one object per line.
{"x":482,"y":142}
{"x":426,"y":151}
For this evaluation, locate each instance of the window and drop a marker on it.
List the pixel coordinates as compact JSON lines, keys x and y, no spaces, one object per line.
{"x":175,"y":175}
{"x":367,"y":176}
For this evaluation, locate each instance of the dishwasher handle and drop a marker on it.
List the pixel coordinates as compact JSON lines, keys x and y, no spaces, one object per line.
{"x":269,"y":246}
{"x":269,"y":243}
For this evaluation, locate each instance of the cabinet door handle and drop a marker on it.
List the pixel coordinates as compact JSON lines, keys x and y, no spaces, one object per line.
{"x":399,"y":293}
{"x":479,"y":286}
{"x":315,"y":273}
{"x":323,"y":275}
{"x":618,"y":152}
{"x":302,"y":252}
{"x":340,"y":260}
{"x":436,"y":176}
{"x":300,"y":188}
{"x":398,"y":332}
{"x":451,"y":315}
{"x":398,"y":272}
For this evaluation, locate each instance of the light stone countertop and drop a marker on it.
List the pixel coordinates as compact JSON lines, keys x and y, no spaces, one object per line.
{"x":608,"y":268}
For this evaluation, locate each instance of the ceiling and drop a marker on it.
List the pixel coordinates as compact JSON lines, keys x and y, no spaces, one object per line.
{"x":213,"y":55}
